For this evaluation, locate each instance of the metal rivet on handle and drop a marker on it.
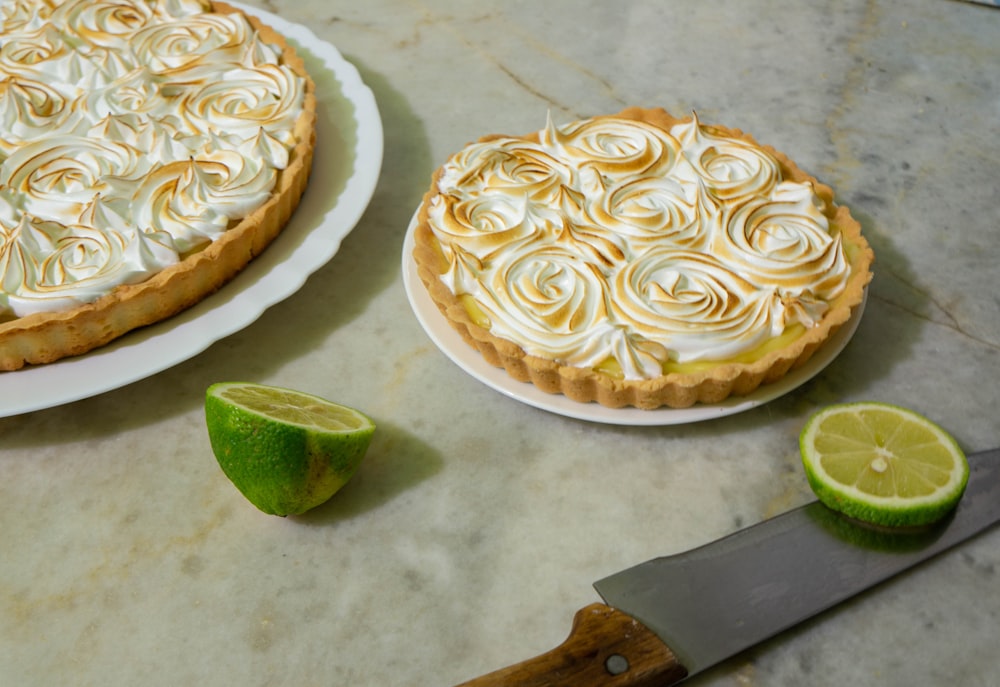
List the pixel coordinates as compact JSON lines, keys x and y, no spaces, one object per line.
{"x":616,"y":664}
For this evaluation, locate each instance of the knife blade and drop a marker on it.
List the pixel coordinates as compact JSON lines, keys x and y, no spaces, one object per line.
{"x":669,"y":618}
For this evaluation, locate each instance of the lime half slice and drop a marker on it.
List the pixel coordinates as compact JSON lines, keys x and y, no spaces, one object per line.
{"x":285,"y":450}
{"x":882,"y":464}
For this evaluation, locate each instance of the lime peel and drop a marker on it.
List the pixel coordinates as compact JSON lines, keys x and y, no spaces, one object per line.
{"x":285,"y":450}
{"x":882,"y":464}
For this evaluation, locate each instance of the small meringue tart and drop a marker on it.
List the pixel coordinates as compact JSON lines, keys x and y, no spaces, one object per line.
{"x":638,"y":259}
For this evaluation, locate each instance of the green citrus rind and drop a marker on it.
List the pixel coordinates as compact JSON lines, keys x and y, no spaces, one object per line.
{"x":286,"y":451}
{"x":882,"y":464}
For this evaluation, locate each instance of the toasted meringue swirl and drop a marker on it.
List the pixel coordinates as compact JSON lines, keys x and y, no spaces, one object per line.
{"x":27,"y":51}
{"x":508,"y":166}
{"x":268,"y":96}
{"x":481,"y":225}
{"x":172,"y":47}
{"x":42,"y":256}
{"x":666,"y":290}
{"x":547,"y":295}
{"x":106,"y":23}
{"x":29,"y":108}
{"x":58,"y":175}
{"x":784,"y":240}
{"x":132,"y":132}
{"x":24,"y":16}
{"x":730,"y":168}
{"x":616,"y":240}
{"x":612,"y":147}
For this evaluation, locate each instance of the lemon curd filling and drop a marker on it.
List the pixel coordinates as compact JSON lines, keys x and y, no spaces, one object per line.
{"x":776,"y":343}
{"x":474,"y":311}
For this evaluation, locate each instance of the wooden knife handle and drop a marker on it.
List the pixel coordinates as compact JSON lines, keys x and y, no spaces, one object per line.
{"x":605,"y":647}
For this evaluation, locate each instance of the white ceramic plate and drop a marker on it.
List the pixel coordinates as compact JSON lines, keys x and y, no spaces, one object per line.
{"x":469,"y":359}
{"x":346,"y":168}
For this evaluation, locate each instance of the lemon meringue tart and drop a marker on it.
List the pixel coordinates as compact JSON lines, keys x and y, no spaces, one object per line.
{"x":638,"y":259}
{"x":149,"y":149}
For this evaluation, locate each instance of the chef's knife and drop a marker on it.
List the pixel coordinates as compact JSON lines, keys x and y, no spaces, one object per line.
{"x":672,"y":617}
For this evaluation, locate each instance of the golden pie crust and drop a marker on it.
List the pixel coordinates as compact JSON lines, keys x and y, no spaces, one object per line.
{"x":676,"y":389}
{"x":49,"y":336}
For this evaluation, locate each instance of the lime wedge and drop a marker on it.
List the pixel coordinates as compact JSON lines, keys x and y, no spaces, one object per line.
{"x":882,"y":464}
{"x":285,"y":450}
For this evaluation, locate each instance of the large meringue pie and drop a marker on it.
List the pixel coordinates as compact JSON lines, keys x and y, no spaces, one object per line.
{"x":149,"y":149}
{"x":638,"y":259}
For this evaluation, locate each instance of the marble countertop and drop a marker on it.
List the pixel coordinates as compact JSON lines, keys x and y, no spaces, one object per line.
{"x":477,"y":524}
